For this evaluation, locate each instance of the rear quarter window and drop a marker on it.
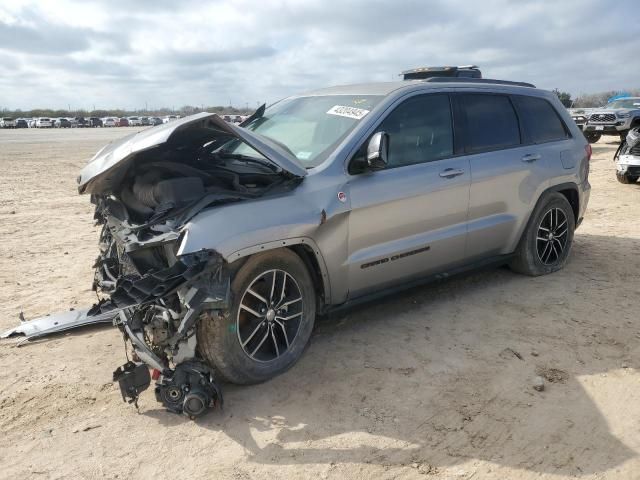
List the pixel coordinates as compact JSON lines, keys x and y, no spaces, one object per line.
{"x":540,"y":120}
{"x":491,"y":122}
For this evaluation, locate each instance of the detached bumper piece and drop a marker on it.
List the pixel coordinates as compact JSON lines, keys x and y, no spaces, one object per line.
{"x":59,"y":322}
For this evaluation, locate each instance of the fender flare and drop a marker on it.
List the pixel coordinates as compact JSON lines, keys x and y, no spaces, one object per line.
{"x":554,"y":188}
{"x":289,"y":242}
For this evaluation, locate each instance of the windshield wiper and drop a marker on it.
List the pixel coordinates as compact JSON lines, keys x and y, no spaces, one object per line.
{"x":257,"y":114}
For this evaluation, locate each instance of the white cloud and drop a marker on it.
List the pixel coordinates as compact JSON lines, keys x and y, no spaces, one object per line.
{"x":124,"y":53}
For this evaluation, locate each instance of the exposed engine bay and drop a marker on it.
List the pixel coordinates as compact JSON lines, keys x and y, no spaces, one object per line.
{"x":157,"y":295}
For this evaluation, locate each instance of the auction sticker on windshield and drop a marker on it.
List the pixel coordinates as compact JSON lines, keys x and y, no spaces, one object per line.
{"x":349,"y":112}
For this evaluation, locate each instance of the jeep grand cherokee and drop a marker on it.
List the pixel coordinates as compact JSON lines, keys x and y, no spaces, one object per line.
{"x":222,"y":243}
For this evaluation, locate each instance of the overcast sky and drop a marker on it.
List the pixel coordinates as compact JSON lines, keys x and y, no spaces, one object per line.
{"x":132,"y":53}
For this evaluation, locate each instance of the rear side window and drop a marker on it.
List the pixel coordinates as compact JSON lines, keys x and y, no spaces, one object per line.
{"x":492,"y":123}
{"x":540,"y":120}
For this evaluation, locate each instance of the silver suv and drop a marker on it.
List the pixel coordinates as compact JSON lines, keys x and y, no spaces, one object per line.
{"x":222,"y":243}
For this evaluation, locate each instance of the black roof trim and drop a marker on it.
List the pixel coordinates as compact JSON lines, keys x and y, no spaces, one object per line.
{"x":476,"y":80}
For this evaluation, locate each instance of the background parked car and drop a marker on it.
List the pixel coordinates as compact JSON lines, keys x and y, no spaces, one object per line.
{"x":169,"y":118}
{"x":135,"y":122}
{"x":62,"y":123}
{"x":123,"y":122}
{"x":79,"y":122}
{"x":7,"y":122}
{"x":155,"y":121}
{"x":22,"y":123}
{"x":43,"y":122}
{"x":109,"y":122}
{"x":144,"y":121}
{"x":95,"y":122}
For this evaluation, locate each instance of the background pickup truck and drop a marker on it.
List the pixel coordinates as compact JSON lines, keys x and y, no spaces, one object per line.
{"x":615,"y":118}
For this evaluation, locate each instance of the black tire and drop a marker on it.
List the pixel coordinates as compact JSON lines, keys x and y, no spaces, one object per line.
{"x":530,"y":255}
{"x":626,"y":178}
{"x":219,"y":332}
{"x":592,"y":137}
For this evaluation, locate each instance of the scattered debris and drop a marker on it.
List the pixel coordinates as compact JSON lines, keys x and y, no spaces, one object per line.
{"x":425,"y":468}
{"x":552,"y":375}
{"x":538,"y":384}
{"x":534,"y":353}
{"x":85,"y":427}
{"x":508,"y":352}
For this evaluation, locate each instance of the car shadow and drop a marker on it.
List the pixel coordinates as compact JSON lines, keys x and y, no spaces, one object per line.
{"x":443,"y":374}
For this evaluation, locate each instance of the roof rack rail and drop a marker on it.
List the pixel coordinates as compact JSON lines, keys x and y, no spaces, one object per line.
{"x":466,"y":71}
{"x":476,"y":80}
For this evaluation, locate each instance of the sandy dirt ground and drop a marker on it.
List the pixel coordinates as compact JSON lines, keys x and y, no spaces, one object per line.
{"x":432,"y":383}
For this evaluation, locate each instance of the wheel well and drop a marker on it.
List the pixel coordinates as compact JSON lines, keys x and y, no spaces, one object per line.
{"x":306,"y":254}
{"x":574,"y":200}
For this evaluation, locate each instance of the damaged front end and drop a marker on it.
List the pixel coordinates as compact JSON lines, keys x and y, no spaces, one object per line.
{"x":157,"y":314}
{"x":146,"y":188}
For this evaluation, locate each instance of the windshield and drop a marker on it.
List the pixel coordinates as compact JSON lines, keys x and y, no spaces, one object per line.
{"x":624,"y":103}
{"x":310,"y":127}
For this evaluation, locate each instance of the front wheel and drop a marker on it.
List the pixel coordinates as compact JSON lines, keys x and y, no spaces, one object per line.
{"x":546,"y":242}
{"x":626,"y":178}
{"x":273,"y":308}
{"x":592,"y":137}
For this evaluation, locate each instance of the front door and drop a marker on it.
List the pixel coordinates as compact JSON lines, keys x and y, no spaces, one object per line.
{"x":409,"y":219}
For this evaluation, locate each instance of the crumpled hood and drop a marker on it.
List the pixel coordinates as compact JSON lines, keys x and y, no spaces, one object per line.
{"x":107,"y":167}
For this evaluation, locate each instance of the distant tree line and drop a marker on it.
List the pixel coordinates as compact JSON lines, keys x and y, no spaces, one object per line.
{"x":183,"y":111}
{"x":590,"y":100}
{"x":584,"y":100}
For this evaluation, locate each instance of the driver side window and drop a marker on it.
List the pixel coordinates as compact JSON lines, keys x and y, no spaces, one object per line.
{"x":420,"y":130}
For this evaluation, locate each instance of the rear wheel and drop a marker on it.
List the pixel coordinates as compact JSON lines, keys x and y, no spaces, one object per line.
{"x":546,"y":242}
{"x":269,"y":323}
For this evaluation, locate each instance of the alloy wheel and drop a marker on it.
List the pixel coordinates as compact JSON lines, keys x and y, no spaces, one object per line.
{"x":552,"y":235}
{"x":269,"y":315}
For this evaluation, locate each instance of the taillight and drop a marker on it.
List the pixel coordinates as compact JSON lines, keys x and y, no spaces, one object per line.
{"x":589,"y":151}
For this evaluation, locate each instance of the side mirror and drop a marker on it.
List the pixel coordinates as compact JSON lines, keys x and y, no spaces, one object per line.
{"x":377,"y":151}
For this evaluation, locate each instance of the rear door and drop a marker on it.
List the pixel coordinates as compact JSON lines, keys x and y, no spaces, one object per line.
{"x":409,"y":220}
{"x":509,"y":167}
